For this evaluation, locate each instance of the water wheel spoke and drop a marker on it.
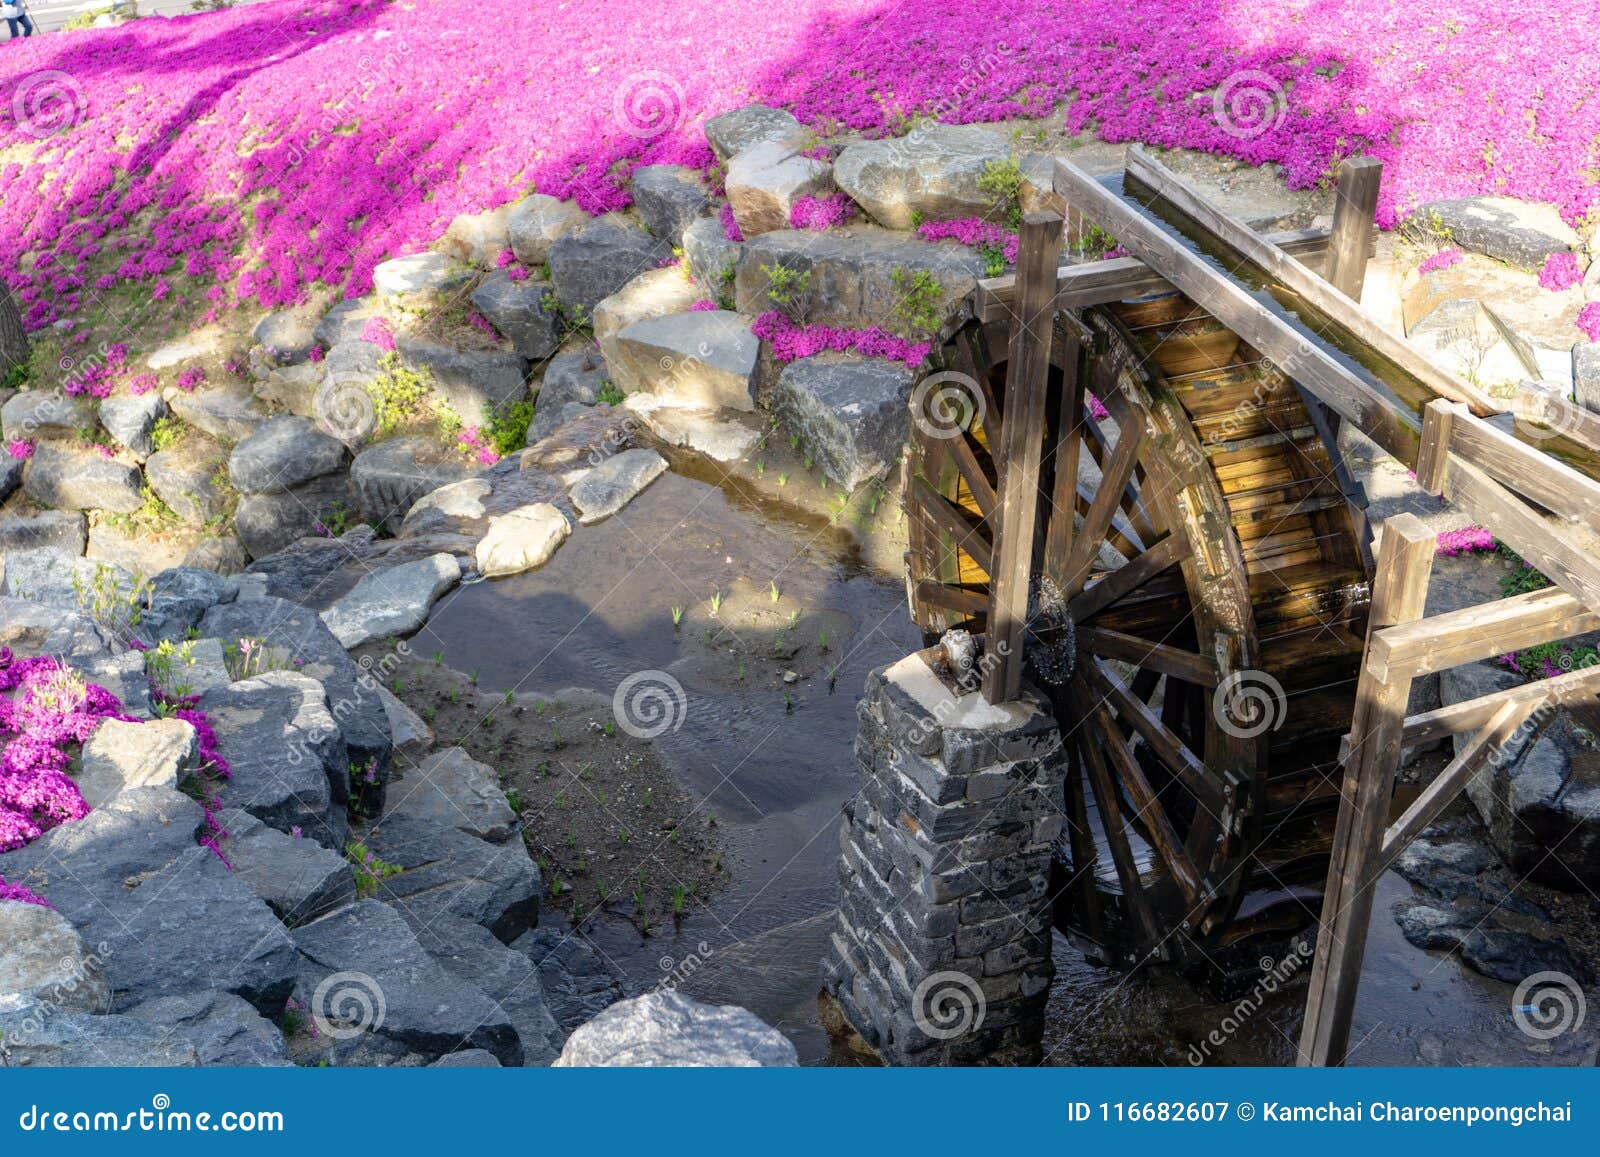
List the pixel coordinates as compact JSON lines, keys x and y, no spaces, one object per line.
{"x":1123,"y":581}
{"x":966,"y":463}
{"x":1173,"y":753}
{"x":1107,"y":500}
{"x":1085,"y":858}
{"x":1131,"y":501}
{"x":949,"y":518}
{"x":963,"y":600}
{"x":1174,"y":661}
{"x":1116,"y":832}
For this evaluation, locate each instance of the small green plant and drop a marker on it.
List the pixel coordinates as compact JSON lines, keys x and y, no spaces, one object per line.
{"x":677,"y":617}
{"x":822,"y":638}
{"x":1002,"y":184}
{"x":370,"y":871}
{"x":108,"y":600}
{"x":514,"y":800}
{"x":772,"y":590}
{"x":789,"y":290}
{"x":167,"y":433}
{"x":507,"y":430}
{"x":399,"y":394}
{"x":680,"y":895}
{"x":251,"y":656}
{"x":783,"y":480}
{"x":610,"y":395}
{"x":716,"y":601}
{"x":1523,"y":578}
{"x":919,"y":307}
{"x":794,"y":619}
{"x":508,"y":697}
{"x":623,"y":836}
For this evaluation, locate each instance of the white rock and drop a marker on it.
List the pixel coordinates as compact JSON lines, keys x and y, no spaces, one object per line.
{"x":43,"y":957}
{"x":667,"y":1029}
{"x":521,"y":539}
{"x":120,"y":756}
{"x":614,"y":483}
{"x":395,"y":601}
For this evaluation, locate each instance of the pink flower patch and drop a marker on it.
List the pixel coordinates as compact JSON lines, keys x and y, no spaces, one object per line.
{"x":730,"y":226}
{"x":1589,"y":320}
{"x":1443,"y":259}
{"x":379,"y":332}
{"x":791,"y":342}
{"x":19,"y":448}
{"x":1560,"y":272}
{"x":191,"y":378}
{"x":704,"y":305}
{"x":819,"y":214}
{"x":1466,"y":540}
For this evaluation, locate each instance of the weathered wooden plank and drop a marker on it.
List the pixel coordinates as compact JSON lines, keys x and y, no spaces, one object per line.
{"x":1168,"y":748}
{"x":1295,"y":352}
{"x":1524,"y":468}
{"x":1399,"y":593}
{"x":953,"y":521}
{"x":1105,"y":796}
{"x":1124,"y":648}
{"x":1125,"y":580}
{"x":1569,"y":689}
{"x":1069,"y":434}
{"x":1108,"y":500}
{"x":1433,"y":460}
{"x":1545,"y":407}
{"x":1027,"y":376}
{"x":1481,"y":632}
{"x":958,"y":599}
{"x":1102,"y":282}
{"x":1355,"y":227}
{"x":966,"y":464}
{"x":1360,"y":330}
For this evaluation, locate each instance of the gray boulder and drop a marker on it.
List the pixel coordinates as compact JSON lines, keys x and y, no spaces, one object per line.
{"x":120,"y":756}
{"x":139,"y":553}
{"x":223,"y":1029}
{"x":713,"y":259}
{"x":10,"y":475}
{"x":67,"y":478}
{"x":289,"y":335}
{"x":654,"y":293}
{"x":704,"y":431}
{"x":1586,"y":373}
{"x":345,"y":322}
{"x":179,"y":596}
{"x":706,"y":358}
{"x":523,"y":311}
{"x":754,"y":124}
{"x":298,"y":877}
{"x":377,"y":993}
{"x":477,"y":239}
{"x":521,"y":539}
{"x":283,"y":453}
{"x":229,"y":412}
{"x":55,"y":578}
{"x":266,"y":523}
{"x":578,"y":984}
{"x":667,"y":1029}
{"x":930,"y":174}
{"x":765,"y":180}
{"x":52,"y":529}
{"x":222,"y":553}
{"x":669,"y":198}
{"x":32,"y":1035}
{"x":506,"y":976}
{"x":43,"y":957}
{"x":450,"y":787}
{"x":568,"y":378}
{"x":392,"y":475}
{"x":420,"y":278}
{"x":535,"y":224}
{"x":191,"y":478}
{"x":393,"y":601}
{"x":468,"y":1059}
{"x":132,"y":420}
{"x":293,"y":388}
{"x":850,"y":413}
{"x":447,"y":871}
{"x":33,"y":414}
{"x":290,"y":765}
{"x":473,"y":382}
{"x":592,"y":262}
{"x":615,"y":482}
{"x":1523,"y":233}
{"x":852,"y":274}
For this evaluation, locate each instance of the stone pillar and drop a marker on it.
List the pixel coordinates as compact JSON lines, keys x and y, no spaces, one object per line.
{"x":941,"y":950}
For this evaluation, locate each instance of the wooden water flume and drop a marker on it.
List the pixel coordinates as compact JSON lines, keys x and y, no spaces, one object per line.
{"x":1126,"y":477}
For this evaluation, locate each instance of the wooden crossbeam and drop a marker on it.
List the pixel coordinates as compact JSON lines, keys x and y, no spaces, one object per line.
{"x":1481,"y":632}
{"x":1569,"y":689}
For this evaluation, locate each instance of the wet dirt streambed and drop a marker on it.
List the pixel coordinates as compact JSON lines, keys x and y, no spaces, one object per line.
{"x":742,"y":631}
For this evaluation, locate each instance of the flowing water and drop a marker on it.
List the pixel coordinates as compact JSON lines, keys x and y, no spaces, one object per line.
{"x":773,"y":760}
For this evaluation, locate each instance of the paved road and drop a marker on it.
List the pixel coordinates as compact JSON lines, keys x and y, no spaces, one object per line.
{"x":50,"y":15}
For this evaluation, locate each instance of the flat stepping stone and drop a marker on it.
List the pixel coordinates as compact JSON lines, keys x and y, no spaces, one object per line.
{"x":521,"y":539}
{"x":615,"y":482}
{"x":394,"y":601}
{"x":706,"y":358}
{"x":703,"y":431}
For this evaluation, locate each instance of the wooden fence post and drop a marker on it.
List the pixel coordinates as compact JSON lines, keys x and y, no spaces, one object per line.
{"x":1354,"y":209}
{"x":1027,"y":377}
{"x":1399,"y":593}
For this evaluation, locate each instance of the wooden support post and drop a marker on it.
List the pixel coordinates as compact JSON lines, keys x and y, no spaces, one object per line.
{"x":1354,"y":223}
{"x":1398,"y":596}
{"x":1027,"y":377}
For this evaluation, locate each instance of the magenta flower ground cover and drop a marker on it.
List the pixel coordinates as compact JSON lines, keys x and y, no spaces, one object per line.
{"x":261,"y":149}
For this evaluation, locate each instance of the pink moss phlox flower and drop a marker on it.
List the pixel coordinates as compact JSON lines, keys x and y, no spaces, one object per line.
{"x":316,"y":354}
{"x":791,"y":342}
{"x":477,"y":446}
{"x":1589,"y":320}
{"x":1443,"y":259}
{"x":1097,"y":409}
{"x":819,"y":214}
{"x":379,"y":332}
{"x":190,"y":378}
{"x":974,"y":233}
{"x":1465,"y":540}
{"x":141,"y":384}
{"x":517,"y":273}
{"x":504,"y":258}
{"x":19,"y":448}
{"x":481,"y":323}
{"x":730,"y":226}
{"x":704,"y":305}
{"x":1560,"y":272}
{"x":21,"y":895}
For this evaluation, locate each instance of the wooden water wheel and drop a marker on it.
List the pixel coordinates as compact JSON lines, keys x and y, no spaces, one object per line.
{"x":1198,"y":603}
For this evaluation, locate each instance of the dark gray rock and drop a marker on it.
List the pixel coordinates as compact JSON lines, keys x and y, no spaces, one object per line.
{"x":713,"y":259}
{"x":288,"y":334}
{"x":33,"y":414}
{"x":222,"y":553}
{"x":578,"y":984}
{"x":283,"y":453}
{"x":523,"y":311}
{"x":615,"y":482}
{"x":192,"y":479}
{"x":223,"y":1029}
{"x":669,"y":198}
{"x":229,"y":412}
{"x":351,"y":691}
{"x":43,"y":957}
{"x":1484,"y":945}
{"x":447,"y":871}
{"x":66,"y":478}
{"x":10,"y":475}
{"x":536,"y":222}
{"x":373,"y":989}
{"x":1522,"y":233}
{"x":290,"y":765}
{"x":53,"y":529}
{"x":568,"y":378}
{"x":391,"y":601}
{"x":298,"y":877}
{"x":53,"y":577}
{"x":595,"y":260}
{"x":411,"y":736}
{"x":667,"y":1029}
{"x":930,"y":174}
{"x":266,"y":523}
{"x":751,"y":125}
{"x":506,"y":976}
{"x":473,"y":382}
{"x":32,"y":1035}
{"x":131,"y":420}
{"x":178,"y":599}
{"x":852,"y":274}
{"x":465,"y":508}
{"x":392,"y":475}
{"x":345,"y":322}
{"x":450,"y":787}
{"x":850,"y":413}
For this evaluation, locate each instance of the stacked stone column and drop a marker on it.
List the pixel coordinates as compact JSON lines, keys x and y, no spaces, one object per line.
{"x":941,"y":951}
